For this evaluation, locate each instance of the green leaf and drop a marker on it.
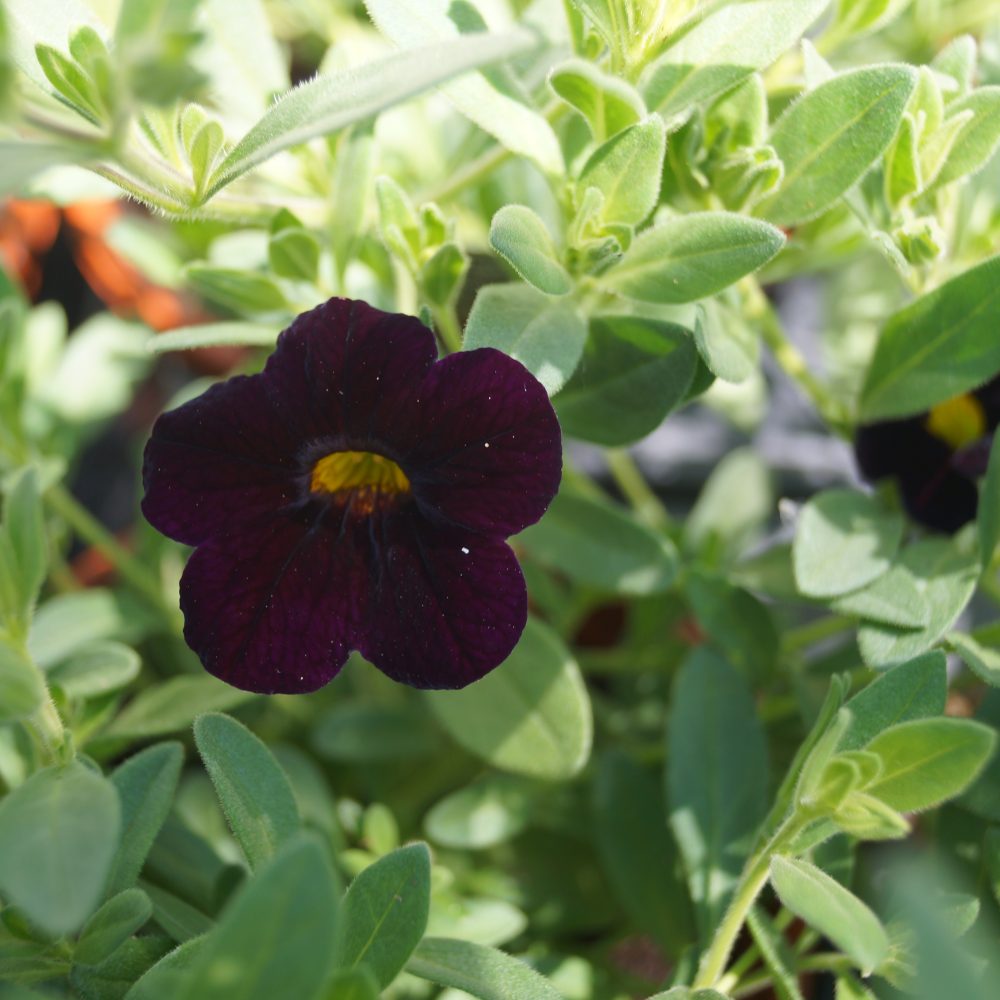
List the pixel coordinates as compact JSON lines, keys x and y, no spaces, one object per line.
{"x":634,"y":371}
{"x":826,"y":905}
{"x":913,"y":690}
{"x":521,"y":129}
{"x":939,"y":346}
{"x":241,"y":291}
{"x":173,"y":705}
{"x":119,"y":970}
{"x":608,"y":103}
{"x":830,"y":137}
{"x":57,"y":874}
{"x":777,"y":955}
{"x":520,"y":237}
{"x":531,"y":715}
{"x":487,"y":812}
{"x":179,"y":919}
{"x":294,"y":253}
{"x":946,"y":578}
{"x":328,"y":103}
{"x":364,"y":733}
{"x":728,"y":345}
{"x":274,"y":938}
{"x":716,"y":779}
{"x":145,"y":784}
{"x":596,"y":543}
{"x":926,"y":761}
{"x":385,"y":913}
{"x":111,"y":926}
{"x":626,"y":170}
{"x":843,"y":540}
{"x":546,"y":336}
{"x":977,"y":139}
{"x":639,"y":854}
{"x":725,"y":48}
{"x":24,"y":546}
{"x":692,"y":256}
{"x":165,"y":977}
{"x":484,"y":972}
{"x":988,"y":520}
{"x":353,"y":984}
{"x":891,"y":599}
{"x":981,"y":660}
{"x":256,"y":797}
{"x":21,"y":161}
{"x":21,"y":686}
{"x":441,"y":277}
{"x":186,"y":338}
{"x":96,"y":669}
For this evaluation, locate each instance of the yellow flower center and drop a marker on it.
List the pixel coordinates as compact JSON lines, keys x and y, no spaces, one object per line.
{"x":362,"y":478}
{"x":958,"y":422}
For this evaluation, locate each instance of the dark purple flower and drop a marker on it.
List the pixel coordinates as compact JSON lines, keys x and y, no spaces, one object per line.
{"x":355,"y":495}
{"x":935,"y":457}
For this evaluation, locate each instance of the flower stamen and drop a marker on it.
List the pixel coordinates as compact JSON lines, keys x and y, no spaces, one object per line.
{"x":363,"y":478}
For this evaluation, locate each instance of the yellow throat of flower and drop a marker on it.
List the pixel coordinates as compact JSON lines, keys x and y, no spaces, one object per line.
{"x":958,"y":422}
{"x":362,"y":478}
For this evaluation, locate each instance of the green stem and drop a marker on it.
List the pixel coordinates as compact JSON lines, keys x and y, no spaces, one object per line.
{"x":448,"y":328}
{"x":751,"y":883}
{"x":821,"y":962}
{"x":90,"y":530}
{"x":48,"y":723}
{"x":790,"y":358}
{"x":646,"y":504}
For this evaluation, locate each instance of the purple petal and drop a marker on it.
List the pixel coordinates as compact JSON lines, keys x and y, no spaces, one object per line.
{"x":448,"y":606}
{"x":347,"y":369}
{"x":486,"y":451}
{"x":275,"y":608}
{"x":218,"y":462}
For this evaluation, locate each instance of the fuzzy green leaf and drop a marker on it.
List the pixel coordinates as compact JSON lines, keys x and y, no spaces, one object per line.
{"x":521,"y":238}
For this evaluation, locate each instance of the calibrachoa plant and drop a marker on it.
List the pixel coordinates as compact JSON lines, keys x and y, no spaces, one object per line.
{"x":333,"y":333}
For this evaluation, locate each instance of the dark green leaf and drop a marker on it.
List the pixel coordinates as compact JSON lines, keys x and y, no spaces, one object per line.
{"x":940,"y":346}
{"x":254,"y":792}
{"x":385,"y":912}
{"x":634,"y":371}
{"x":717,"y":778}
{"x":111,"y":926}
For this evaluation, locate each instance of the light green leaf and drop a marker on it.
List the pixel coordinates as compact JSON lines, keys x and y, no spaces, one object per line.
{"x":978,"y":137}
{"x":981,"y":660}
{"x":634,"y":371}
{"x":145,"y":784}
{"x":111,"y":926}
{"x":728,"y":345}
{"x":21,"y":687}
{"x":716,"y":780}
{"x":57,"y":873}
{"x":946,"y":578}
{"x":926,"y":761}
{"x":595,"y":543}
{"x":484,"y":972}
{"x":24,"y":549}
{"x":608,"y":103}
{"x":913,"y":690}
{"x":329,"y":103}
{"x":21,"y":161}
{"x":547,"y":337}
{"x":626,"y":170}
{"x":174,"y":705}
{"x":531,"y":715}
{"x":239,"y":290}
{"x":640,"y":856}
{"x":165,"y":977}
{"x":353,"y":984}
{"x":385,"y":913}
{"x":939,"y":346}
{"x":96,"y":669}
{"x":254,"y":792}
{"x":520,"y":237}
{"x":826,"y":905}
{"x":692,"y":256}
{"x":830,"y":137}
{"x":776,"y":951}
{"x":185,"y":338}
{"x":521,"y":129}
{"x":274,"y":938}
{"x":487,"y":812}
{"x":725,"y":48}
{"x":892,"y":599}
{"x":294,"y":253}
{"x":843,"y":540}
